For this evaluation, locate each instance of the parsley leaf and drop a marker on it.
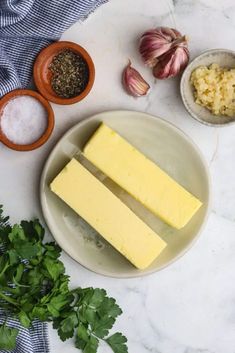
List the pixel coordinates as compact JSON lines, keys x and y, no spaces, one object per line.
{"x":85,"y":341}
{"x":118,"y":343}
{"x":54,"y":268}
{"x":92,"y":345}
{"x":110,"y":307}
{"x":56,"y":304}
{"x":8,"y":337}
{"x":24,"y":319}
{"x":101,"y":326}
{"x":66,"y":326}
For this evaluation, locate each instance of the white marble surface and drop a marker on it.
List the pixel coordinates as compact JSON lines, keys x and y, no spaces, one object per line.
{"x":190,"y":306}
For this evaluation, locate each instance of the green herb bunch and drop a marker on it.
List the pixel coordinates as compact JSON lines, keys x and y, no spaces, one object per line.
{"x":33,"y":284}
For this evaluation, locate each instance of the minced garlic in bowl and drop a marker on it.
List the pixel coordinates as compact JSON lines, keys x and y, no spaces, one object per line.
{"x":215,"y":89}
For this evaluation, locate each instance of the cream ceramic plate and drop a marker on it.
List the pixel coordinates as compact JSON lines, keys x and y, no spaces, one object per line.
{"x":170,"y":148}
{"x":223,"y":57}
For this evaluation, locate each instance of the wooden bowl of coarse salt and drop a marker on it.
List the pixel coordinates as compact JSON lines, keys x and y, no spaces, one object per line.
{"x":26,"y":120}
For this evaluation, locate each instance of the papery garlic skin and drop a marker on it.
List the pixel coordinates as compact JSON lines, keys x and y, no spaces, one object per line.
{"x":171,"y":63}
{"x":164,"y":46}
{"x":153,"y":45}
{"x":134,"y":83}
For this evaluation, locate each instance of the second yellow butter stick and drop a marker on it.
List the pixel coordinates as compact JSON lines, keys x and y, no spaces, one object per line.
{"x":140,"y":177}
{"x":106,"y":213}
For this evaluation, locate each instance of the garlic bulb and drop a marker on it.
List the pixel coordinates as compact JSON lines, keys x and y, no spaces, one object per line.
{"x":133,"y":82}
{"x":166,"y":50}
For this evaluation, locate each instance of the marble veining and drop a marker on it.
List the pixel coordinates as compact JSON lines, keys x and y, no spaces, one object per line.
{"x":188,"y":307}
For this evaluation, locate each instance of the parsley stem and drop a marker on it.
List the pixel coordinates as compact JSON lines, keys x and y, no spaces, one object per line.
{"x":4,"y":269}
{"x":8,"y":299}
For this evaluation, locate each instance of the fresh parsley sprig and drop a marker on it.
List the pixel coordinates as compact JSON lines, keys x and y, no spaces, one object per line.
{"x":33,"y":284}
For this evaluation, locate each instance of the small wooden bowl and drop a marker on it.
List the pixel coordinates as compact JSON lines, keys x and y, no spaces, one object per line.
{"x":50,"y":120}
{"x":42,"y":74}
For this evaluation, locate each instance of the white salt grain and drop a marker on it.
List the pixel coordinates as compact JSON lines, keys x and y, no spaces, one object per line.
{"x":23,"y":120}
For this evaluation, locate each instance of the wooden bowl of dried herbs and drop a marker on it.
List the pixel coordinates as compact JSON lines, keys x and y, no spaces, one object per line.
{"x":64,"y":72}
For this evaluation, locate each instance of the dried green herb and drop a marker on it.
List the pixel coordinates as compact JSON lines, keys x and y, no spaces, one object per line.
{"x":70,"y":74}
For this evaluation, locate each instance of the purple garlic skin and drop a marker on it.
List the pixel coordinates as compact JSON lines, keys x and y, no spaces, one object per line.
{"x":171,"y":63}
{"x":133,"y":82}
{"x":165,"y":50}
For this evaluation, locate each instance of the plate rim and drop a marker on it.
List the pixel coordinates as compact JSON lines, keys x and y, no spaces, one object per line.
{"x":151,"y":117}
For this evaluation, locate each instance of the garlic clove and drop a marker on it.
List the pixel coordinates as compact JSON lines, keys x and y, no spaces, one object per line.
{"x":171,"y":63}
{"x":152,"y":45}
{"x":133,"y":82}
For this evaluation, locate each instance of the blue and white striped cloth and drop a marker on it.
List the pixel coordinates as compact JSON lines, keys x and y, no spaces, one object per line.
{"x":27,"y":26}
{"x":32,"y":340}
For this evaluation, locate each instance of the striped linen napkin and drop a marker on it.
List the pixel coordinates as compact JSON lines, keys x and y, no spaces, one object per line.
{"x":32,"y":340}
{"x":27,"y":26}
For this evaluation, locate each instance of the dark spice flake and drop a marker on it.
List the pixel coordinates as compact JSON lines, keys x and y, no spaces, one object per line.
{"x":70,"y":74}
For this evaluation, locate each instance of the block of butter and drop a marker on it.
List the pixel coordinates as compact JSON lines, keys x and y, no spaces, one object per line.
{"x":140,"y":177}
{"x":107,"y":214}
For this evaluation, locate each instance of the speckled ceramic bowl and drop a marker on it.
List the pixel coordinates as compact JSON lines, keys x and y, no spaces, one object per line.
{"x":223,"y":57}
